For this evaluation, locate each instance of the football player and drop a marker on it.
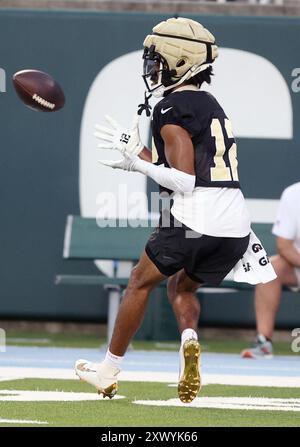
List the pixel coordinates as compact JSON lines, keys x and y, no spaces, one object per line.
{"x":207,"y":230}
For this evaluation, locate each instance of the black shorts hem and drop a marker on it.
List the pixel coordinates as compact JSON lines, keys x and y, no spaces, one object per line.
{"x":203,"y":280}
{"x":163,"y":269}
{"x":194,"y":278}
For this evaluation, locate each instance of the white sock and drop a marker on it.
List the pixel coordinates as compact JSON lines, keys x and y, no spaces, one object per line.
{"x":113,"y":360}
{"x":187,"y":334}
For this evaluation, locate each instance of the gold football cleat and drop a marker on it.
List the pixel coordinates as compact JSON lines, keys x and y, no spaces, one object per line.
{"x":110,"y":391}
{"x":190,"y":381}
{"x":101,"y":376}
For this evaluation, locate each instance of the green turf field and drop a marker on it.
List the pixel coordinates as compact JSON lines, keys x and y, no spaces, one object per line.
{"x":123,"y":412}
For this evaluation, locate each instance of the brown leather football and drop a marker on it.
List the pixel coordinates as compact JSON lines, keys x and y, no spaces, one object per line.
{"x":38,"y":90}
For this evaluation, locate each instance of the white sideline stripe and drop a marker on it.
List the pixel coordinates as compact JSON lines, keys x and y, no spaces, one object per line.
{"x":260,"y":381}
{"x":49,"y":396}
{"x":13,"y":373}
{"x":263,"y":380}
{"x":68,"y":234}
{"x":21,"y":421}
{"x":232,"y":403}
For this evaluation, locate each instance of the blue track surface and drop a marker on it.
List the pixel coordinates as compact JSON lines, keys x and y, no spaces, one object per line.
{"x":45,"y":357}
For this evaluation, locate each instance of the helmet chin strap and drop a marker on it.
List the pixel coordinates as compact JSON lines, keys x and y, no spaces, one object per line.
{"x":145,"y":106}
{"x":159,"y":91}
{"x":195,"y":69}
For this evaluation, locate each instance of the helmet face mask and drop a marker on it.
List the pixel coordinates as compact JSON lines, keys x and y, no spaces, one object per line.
{"x":156,"y":73}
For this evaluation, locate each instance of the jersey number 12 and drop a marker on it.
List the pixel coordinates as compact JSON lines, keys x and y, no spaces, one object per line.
{"x":220,"y":172}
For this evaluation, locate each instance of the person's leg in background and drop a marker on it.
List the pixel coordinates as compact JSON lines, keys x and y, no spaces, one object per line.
{"x":267,"y":300}
{"x":186,"y":307}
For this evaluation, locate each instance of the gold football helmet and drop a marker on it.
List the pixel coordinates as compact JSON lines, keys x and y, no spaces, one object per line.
{"x":177,"y":50}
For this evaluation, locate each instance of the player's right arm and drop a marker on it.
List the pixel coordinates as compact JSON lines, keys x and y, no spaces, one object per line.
{"x":179,"y":178}
{"x":146,"y":154}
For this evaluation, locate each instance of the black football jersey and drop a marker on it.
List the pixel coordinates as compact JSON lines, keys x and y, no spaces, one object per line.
{"x":199,"y":113}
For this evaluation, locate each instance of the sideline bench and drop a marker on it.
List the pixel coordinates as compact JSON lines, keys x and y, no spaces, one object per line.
{"x":85,"y":239}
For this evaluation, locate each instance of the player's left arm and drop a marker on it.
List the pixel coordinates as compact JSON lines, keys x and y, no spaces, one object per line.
{"x":288,"y":251}
{"x":179,"y":149}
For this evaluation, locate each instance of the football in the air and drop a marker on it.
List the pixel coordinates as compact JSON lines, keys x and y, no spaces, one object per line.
{"x":38,"y":90}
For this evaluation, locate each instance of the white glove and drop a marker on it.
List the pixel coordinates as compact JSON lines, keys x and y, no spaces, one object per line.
{"x":117,"y":137}
{"x":127,"y":163}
